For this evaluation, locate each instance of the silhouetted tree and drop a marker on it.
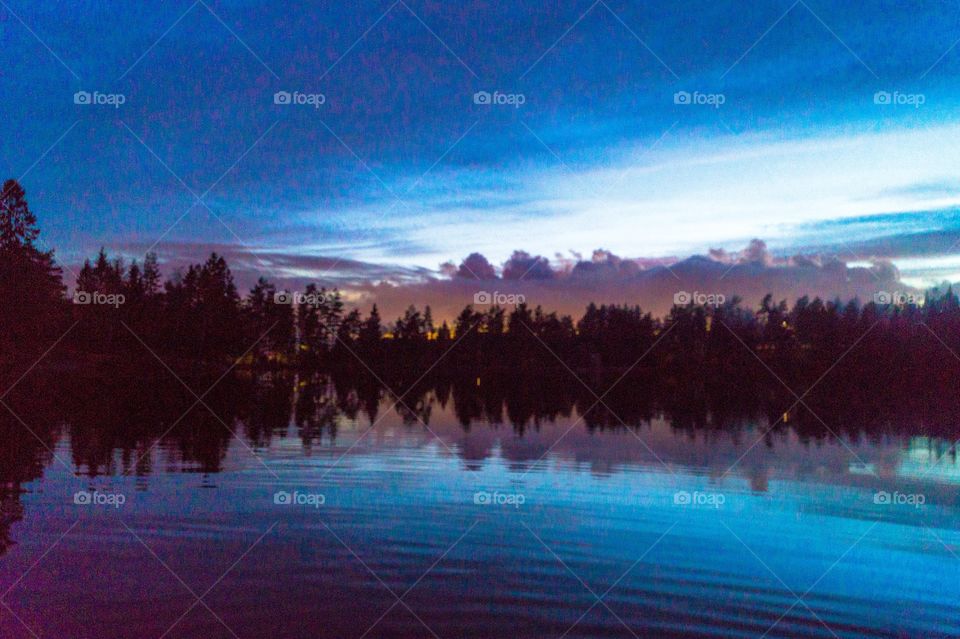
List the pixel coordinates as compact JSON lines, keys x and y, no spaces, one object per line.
{"x":31,"y":291}
{"x":270,"y":324}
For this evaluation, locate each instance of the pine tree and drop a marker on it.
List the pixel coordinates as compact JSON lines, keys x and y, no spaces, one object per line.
{"x":371,"y":335}
{"x":31,"y":289}
{"x":18,"y":225}
{"x":151,"y":275}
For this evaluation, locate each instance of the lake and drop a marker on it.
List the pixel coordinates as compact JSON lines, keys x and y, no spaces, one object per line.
{"x":342,"y":517}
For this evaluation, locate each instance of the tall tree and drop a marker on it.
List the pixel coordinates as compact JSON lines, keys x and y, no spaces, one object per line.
{"x":18,"y":225}
{"x":31,"y":289}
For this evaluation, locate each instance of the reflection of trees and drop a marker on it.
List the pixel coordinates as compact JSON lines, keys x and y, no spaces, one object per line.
{"x":11,"y":511}
{"x":22,"y":456}
{"x":266,"y":413}
{"x":316,"y":410}
{"x":120,"y":419}
{"x":115,"y":416}
{"x":110,"y":411}
{"x":414,"y":409}
{"x":126,"y":419}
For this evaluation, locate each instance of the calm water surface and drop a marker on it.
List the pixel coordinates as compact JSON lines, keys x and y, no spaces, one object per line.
{"x":487,"y":532}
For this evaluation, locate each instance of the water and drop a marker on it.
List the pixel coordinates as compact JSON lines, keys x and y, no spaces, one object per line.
{"x":442,"y":531}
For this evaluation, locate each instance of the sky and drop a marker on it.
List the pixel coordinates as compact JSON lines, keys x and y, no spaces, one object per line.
{"x":369,"y":143}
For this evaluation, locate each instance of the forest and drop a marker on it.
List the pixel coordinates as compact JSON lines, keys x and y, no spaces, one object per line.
{"x":132,"y":312}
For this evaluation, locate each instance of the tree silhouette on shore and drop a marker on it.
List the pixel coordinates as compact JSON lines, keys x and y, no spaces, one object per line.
{"x":197,"y":315}
{"x":31,"y":289}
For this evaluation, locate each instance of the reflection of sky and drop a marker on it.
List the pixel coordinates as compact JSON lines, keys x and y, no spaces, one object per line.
{"x":400,"y":166}
{"x":400,"y":498}
{"x":741,"y":460}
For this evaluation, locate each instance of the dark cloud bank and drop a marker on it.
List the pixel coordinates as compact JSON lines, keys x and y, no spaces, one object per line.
{"x":563,"y":283}
{"x":567,"y":285}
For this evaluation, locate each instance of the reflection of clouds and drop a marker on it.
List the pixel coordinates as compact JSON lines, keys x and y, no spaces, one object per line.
{"x":930,"y":459}
{"x":553,"y":449}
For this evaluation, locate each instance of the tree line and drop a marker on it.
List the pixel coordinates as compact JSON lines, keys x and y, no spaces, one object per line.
{"x":199,"y":315}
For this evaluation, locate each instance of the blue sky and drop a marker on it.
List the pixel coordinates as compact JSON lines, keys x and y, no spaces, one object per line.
{"x":400,"y":165}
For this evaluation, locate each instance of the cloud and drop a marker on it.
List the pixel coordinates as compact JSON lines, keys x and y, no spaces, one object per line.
{"x":475,"y":267}
{"x":283,"y":268}
{"x":523,"y":265}
{"x":608,"y":278}
{"x":605,"y":264}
